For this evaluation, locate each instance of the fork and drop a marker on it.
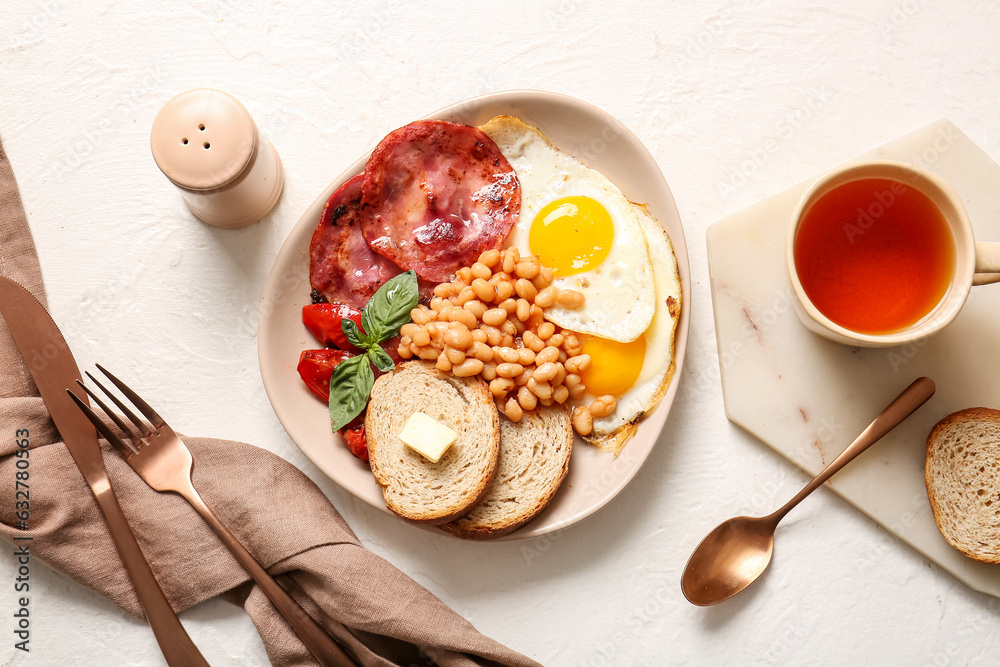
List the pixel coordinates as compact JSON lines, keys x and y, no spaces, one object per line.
{"x":162,"y":459}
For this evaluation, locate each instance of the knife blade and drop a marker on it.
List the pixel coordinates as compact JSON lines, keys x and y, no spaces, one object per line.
{"x":55,"y":371}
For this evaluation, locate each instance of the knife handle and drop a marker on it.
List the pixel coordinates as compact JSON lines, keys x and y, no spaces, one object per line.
{"x":175,"y":644}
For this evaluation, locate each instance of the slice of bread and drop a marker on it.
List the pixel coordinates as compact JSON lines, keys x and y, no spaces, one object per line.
{"x":414,"y":488}
{"x":962,"y":473}
{"x":534,"y":459}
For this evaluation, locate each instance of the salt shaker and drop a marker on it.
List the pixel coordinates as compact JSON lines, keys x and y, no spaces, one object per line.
{"x":207,"y":144}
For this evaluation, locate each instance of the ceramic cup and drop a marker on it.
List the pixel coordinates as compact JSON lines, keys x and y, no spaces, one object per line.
{"x":974,"y":263}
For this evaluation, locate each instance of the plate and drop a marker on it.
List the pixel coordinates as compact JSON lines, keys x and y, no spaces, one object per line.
{"x":595,"y":477}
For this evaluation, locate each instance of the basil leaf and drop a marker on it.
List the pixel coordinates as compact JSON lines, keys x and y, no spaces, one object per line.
{"x":354,"y":335}
{"x":350,"y":385}
{"x":383,"y":315}
{"x":380,"y":358}
{"x":390,"y":307}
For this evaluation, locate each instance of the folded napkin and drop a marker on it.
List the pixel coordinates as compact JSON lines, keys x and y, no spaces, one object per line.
{"x":382,"y":615}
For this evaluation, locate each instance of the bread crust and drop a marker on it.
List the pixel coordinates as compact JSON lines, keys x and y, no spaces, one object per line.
{"x":466,"y":469}
{"x":938,"y":472}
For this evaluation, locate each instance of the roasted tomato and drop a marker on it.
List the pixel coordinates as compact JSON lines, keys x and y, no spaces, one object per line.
{"x":316,"y":366}
{"x":323,"y":320}
{"x":354,"y":437}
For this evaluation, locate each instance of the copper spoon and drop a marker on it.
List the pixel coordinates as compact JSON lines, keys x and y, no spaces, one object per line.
{"x":733,"y":555}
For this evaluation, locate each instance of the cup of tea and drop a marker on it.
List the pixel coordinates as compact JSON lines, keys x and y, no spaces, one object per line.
{"x":882,"y":253}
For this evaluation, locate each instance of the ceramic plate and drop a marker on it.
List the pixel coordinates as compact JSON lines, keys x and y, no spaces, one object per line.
{"x":595,"y":477}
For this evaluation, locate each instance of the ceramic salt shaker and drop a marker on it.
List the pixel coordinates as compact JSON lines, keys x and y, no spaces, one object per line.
{"x":207,"y":144}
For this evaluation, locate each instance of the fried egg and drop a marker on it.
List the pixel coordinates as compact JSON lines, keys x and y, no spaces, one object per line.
{"x":637,"y":373}
{"x":578,"y":223}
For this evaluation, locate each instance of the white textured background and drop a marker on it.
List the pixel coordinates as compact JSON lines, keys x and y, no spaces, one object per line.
{"x":735,"y":100}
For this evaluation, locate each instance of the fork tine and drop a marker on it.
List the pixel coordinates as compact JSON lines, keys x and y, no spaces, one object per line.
{"x":126,"y":429}
{"x":155,"y":419}
{"x":132,"y":417}
{"x":99,"y":424}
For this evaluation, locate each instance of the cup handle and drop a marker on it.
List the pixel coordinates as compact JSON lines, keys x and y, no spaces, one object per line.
{"x":987,"y":263}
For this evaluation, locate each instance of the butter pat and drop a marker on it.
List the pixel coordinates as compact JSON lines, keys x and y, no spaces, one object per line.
{"x":427,"y":436}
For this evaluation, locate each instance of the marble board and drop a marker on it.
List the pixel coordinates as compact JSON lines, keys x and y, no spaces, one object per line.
{"x":808,"y":398}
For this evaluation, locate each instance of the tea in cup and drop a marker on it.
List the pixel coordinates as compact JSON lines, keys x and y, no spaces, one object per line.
{"x":882,"y":253}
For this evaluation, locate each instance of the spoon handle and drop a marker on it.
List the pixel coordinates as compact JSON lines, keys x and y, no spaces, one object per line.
{"x":902,"y":407}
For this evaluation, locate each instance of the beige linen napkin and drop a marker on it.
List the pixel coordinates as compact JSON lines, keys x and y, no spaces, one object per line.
{"x":382,"y":615}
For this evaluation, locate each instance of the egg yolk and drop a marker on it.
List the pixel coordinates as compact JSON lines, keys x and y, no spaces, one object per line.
{"x":614,"y":367}
{"x":571,"y":235}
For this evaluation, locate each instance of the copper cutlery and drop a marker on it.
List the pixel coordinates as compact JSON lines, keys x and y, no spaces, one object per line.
{"x":162,"y":459}
{"x":738,"y":551}
{"x":53,"y":368}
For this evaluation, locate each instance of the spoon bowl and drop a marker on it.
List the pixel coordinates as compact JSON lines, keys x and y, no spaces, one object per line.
{"x":742,"y":549}
{"x":732,"y":556}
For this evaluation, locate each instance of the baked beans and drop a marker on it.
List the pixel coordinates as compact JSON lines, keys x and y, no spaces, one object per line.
{"x":489,"y":321}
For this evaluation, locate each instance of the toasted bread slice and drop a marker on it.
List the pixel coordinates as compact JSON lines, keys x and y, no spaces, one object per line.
{"x":962,"y":473}
{"x":534,"y":459}
{"x":414,"y":488}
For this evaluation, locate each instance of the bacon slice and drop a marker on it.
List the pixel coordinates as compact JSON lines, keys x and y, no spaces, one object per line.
{"x":342,"y":268}
{"x":436,"y":195}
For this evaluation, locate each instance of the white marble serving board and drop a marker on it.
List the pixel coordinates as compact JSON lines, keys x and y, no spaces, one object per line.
{"x":808,"y":398}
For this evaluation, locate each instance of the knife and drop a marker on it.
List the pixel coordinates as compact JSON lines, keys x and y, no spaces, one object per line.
{"x":52,"y":366}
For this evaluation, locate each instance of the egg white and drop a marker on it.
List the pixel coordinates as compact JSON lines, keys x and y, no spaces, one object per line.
{"x":619,"y":299}
{"x":659,"y":364}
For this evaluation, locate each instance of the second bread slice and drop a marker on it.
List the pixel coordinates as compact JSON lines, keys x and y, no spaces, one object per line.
{"x":963,"y":481}
{"x":414,"y":488}
{"x":534,"y":459}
